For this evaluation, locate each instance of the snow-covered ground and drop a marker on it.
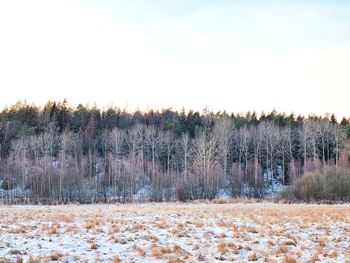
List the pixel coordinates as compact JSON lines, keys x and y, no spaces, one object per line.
{"x":173,"y":232}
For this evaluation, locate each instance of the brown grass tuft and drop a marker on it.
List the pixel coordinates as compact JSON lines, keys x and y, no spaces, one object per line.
{"x":140,"y":251}
{"x":155,"y":251}
{"x":253,"y":257}
{"x":15,"y":252}
{"x":34,"y":259}
{"x":289,"y":259}
{"x":334,"y":254}
{"x":116,"y":260}
{"x":93,"y":245}
{"x":200,"y":257}
{"x":55,"y":256}
{"x":221,"y":247}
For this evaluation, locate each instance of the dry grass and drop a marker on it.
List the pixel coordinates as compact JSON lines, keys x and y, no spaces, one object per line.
{"x":15,"y":252}
{"x":93,"y":245}
{"x":176,"y":233}
{"x":116,"y":260}
{"x":140,"y":251}
{"x":55,"y":256}
{"x":253,"y":257}
{"x":289,"y":259}
{"x":155,"y":251}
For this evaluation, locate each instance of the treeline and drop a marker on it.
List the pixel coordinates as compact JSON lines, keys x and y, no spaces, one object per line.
{"x":58,"y":153}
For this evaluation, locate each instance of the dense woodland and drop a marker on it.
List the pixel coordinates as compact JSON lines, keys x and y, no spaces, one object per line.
{"x":58,"y":153}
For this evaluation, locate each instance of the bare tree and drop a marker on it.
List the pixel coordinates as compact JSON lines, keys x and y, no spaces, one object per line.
{"x":116,"y":140}
{"x":153,"y":140}
{"x":223,"y":131}
{"x":169,"y":141}
{"x":185,"y":151}
{"x":206,"y":159}
{"x":257,"y":142}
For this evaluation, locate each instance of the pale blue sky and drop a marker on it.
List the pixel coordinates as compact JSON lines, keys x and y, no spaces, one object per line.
{"x":277,"y":27}
{"x":232,"y":55}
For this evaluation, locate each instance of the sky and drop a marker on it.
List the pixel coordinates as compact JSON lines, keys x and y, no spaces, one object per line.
{"x":238,"y":56}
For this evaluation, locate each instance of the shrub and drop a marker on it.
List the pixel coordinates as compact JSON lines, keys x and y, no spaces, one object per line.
{"x":181,"y":192}
{"x":330,"y":184}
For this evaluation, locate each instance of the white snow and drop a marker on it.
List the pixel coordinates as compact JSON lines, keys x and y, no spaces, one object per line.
{"x":171,"y":231}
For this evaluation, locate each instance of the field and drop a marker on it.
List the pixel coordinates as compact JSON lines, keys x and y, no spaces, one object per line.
{"x":172,"y":232}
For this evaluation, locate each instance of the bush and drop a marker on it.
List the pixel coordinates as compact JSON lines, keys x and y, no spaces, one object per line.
{"x":182,"y":193}
{"x":331,"y":185}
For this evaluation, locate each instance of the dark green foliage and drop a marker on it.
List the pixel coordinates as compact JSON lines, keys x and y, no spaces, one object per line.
{"x":7,"y":184}
{"x":345,"y":123}
{"x":31,"y":119}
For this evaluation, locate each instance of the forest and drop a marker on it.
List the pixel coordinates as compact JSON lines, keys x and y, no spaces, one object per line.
{"x":58,"y":153}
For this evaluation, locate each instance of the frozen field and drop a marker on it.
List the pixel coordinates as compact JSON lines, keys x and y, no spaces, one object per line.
{"x":171,"y":232}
